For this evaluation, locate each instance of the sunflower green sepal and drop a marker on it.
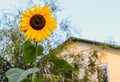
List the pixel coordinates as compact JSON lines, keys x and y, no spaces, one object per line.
{"x":29,"y":52}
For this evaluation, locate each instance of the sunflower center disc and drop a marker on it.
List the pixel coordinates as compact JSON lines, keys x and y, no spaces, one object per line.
{"x":37,"y":22}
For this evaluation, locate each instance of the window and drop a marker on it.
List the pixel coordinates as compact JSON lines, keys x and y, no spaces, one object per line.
{"x":103,"y":73}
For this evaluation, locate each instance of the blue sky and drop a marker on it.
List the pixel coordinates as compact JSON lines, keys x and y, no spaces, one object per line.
{"x":95,"y":19}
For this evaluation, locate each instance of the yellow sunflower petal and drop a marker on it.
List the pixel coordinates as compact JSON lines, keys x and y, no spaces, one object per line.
{"x":45,"y":9}
{"x":24,"y":28}
{"x":51,"y":25}
{"x":48,"y":15}
{"x":25,"y":19}
{"x":31,"y":11}
{"x":42,"y":37}
{"x":26,"y":14}
{"x":24,"y":24}
{"x":38,"y":38}
{"x":36,"y":9}
{"x":33,"y":35}
{"x":46,"y":32}
{"x":29,"y":34}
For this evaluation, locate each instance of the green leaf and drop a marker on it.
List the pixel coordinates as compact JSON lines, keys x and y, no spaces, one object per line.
{"x":30,"y":55}
{"x":60,"y":63}
{"x":29,"y":52}
{"x":38,"y":80}
{"x":27,"y":44}
{"x":13,"y":74}
{"x":40,"y":50}
{"x":27,"y":72}
{"x":25,"y":80}
{"x":17,"y":75}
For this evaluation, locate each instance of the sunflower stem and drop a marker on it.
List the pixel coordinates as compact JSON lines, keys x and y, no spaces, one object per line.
{"x":35,"y":63}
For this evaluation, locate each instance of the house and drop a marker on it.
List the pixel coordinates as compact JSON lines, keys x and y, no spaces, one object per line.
{"x":108,"y":57}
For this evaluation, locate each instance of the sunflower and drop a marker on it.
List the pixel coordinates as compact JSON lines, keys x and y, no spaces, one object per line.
{"x":38,"y":23}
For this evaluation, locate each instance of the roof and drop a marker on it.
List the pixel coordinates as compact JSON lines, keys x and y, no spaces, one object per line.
{"x":75,"y":39}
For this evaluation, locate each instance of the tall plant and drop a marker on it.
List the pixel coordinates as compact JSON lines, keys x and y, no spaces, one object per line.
{"x":37,"y":25}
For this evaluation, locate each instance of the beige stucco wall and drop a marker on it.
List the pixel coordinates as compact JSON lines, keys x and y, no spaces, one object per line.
{"x":113,"y":61}
{"x":111,"y":58}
